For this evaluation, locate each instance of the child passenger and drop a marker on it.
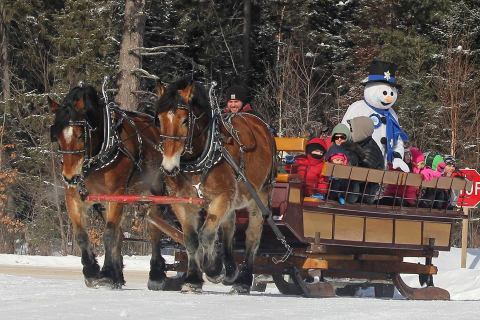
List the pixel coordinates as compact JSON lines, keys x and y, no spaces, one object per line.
{"x":393,"y":193}
{"x":310,"y":166}
{"x":338,"y":187}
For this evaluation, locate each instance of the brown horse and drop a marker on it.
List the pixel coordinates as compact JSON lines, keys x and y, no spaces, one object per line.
{"x":193,"y":142}
{"x":92,"y":164}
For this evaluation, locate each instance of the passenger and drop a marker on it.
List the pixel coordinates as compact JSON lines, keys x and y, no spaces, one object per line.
{"x":451,"y":170}
{"x":310,"y":166}
{"x":433,"y":160}
{"x":418,"y":165}
{"x":362,"y":144}
{"x":432,"y":197}
{"x":340,"y":134}
{"x":367,"y":151}
{"x":338,"y":187}
{"x":237,"y":100}
{"x":394,"y":193}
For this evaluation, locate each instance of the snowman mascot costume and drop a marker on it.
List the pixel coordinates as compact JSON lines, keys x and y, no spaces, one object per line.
{"x":379,"y":95}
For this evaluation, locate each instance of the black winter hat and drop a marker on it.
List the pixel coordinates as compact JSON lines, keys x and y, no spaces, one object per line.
{"x":449,"y":160}
{"x":314,"y":146}
{"x":237,"y":92}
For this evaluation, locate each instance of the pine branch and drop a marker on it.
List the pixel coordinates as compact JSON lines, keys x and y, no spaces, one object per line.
{"x":144,"y":74}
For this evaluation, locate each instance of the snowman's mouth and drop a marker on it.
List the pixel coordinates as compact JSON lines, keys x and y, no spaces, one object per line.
{"x":384,"y":103}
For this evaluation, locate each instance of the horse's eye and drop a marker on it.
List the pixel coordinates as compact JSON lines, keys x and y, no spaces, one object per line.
{"x":185,"y":122}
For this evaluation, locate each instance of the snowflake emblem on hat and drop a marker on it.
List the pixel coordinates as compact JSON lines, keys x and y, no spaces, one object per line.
{"x":386,"y":75}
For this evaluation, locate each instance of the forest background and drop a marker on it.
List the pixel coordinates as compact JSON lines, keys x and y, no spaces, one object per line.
{"x":303,"y":61}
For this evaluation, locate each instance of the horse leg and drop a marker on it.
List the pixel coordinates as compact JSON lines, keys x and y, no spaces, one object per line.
{"x":212,"y":262}
{"x":228,"y":232}
{"x":76,"y":211}
{"x":189,"y":221}
{"x":112,"y":271}
{"x":253,"y":235}
{"x":157,"y":275}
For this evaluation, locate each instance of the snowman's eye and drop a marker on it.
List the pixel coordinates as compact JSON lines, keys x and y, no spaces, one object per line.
{"x":384,"y":93}
{"x":391,"y":93}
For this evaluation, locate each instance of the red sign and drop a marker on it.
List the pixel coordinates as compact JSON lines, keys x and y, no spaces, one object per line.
{"x":470,"y":198}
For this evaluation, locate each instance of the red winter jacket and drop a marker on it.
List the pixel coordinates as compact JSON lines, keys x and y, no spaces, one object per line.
{"x":311,"y":169}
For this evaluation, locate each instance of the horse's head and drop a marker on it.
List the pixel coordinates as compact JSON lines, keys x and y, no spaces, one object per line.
{"x":183,"y":112}
{"x":79,"y":114}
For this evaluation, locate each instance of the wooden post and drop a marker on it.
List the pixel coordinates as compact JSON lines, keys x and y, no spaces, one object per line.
{"x":463,"y":261}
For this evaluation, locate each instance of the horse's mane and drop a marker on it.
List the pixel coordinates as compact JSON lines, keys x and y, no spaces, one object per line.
{"x":93,"y":109}
{"x":171,"y":98}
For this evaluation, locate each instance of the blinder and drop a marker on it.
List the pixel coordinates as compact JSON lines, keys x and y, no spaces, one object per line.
{"x":192,"y":118}
{"x":87,"y":137}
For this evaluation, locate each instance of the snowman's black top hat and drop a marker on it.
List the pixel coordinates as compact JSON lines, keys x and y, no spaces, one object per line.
{"x":382,"y":71}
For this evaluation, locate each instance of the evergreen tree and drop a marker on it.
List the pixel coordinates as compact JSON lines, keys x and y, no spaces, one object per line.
{"x":86,"y":41}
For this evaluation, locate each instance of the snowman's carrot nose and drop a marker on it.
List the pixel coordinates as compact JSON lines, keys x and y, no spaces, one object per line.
{"x":388,"y":99}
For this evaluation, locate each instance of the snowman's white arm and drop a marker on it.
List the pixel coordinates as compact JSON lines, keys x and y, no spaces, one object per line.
{"x":399,"y":147}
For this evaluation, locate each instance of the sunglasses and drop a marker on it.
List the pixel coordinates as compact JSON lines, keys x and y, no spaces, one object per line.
{"x":339,"y":137}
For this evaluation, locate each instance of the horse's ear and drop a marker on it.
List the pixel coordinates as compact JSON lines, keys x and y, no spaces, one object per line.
{"x":187,"y":93}
{"x":159,"y":89}
{"x":53,"y":104}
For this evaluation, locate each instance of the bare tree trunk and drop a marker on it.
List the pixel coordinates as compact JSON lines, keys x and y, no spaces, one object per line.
{"x":57,"y":205}
{"x":5,"y":69}
{"x":133,"y":29}
{"x":247,"y":26}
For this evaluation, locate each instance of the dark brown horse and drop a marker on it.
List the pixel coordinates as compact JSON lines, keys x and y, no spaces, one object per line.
{"x":192,"y":138}
{"x":105,"y":151}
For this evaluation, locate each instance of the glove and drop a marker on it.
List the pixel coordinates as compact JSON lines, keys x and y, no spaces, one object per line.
{"x":399,"y":163}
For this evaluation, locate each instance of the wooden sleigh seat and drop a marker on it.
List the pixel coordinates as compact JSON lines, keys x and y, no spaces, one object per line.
{"x":398,"y":178}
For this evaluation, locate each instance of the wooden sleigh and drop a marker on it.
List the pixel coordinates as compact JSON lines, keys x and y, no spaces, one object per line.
{"x":359,"y":241}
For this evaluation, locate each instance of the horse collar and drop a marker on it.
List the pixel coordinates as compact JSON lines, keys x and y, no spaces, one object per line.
{"x":211,"y":154}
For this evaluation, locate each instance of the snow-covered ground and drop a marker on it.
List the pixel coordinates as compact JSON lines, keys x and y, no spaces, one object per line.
{"x":39,"y":295}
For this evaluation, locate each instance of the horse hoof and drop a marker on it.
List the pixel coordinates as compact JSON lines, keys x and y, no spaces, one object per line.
{"x":229,"y":280}
{"x":156,"y":285}
{"x":106,"y":283}
{"x":218,"y":278}
{"x":90,"y":282}
{"x":240,"y":289}
{"x":167,"y":284}
{"x":191,"y":288}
